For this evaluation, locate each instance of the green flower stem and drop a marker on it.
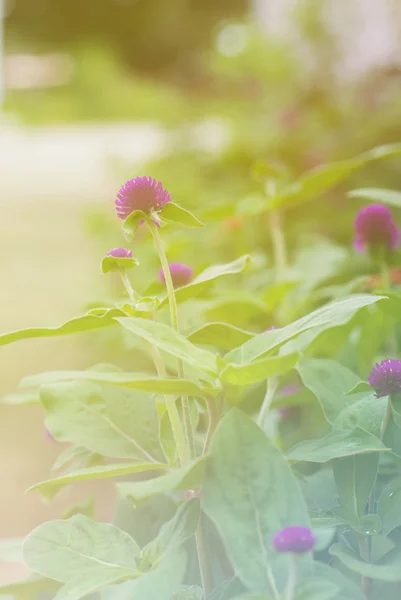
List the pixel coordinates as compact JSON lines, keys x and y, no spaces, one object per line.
{"x":171,"y":406}
{"x":204,"y":566}
{"x":271,"y":387}
{"x":278,"y":241}
{"x":365,"y":552}
{"x":386,"y":419}
{"x":174,"y":323}
{"x":292,"y":577}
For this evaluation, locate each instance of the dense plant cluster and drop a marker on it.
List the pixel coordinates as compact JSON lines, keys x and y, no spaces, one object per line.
{"x":256,"y":453}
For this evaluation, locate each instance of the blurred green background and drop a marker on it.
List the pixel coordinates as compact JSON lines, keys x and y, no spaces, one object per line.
{"x":193,"y":93}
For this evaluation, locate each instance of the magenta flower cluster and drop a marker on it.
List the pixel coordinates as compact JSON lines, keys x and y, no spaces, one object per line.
{"x":181,"y":274}
{"x":376,"y":228}
{"x":142,"y":193}
{"x":295,"y":538}
{"x":120,"y":253}
{"x":385,"y":377}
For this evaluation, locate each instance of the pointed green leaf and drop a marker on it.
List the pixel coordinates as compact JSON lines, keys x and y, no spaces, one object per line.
{"x":29,"y":589}
{"x":391,"y":197}
{"x":170,"y":341}
{"x":259,"y":370}
{"x":65,"y":550}
{"x":131,"y":223}
{"x":185,"y":478}
{"x":250,"y":494}
{"x":115,"y":422}
{"x":174,"y":213}
{"x":116,"y":263}
{"x":389,"y":569}
{"x":84,"y":323}
{"x":389,"y":506}
{"x":336,"y":444}
{"x":51,"y":487}
{"x":136,"y":381}
{"x":355,"y":477}
{"x":203,"y":282}
{"x":331,"y":315}
{"x":220,"y":335}
{"x":21,"y":398}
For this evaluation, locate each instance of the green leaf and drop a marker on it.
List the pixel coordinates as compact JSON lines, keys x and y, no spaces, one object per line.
{"x":316,"y":588}
{"x":237,"y":308}
{"x":396,"y":408}
{"x":336,"y":444}
{"x":21,"y":398}
{"x":390,"y":197}
{"x":116,"y":263}
{"x":355,"y":477}
{"x":51,"y":487}
{"x":259,"y":370}
{"x":173,"y":534}
{"x":115,"y":422}
{"x":348,"y":589}
{"x":75,"y":455}
{"x":322,"y":178}
{"x":160,"y":583}
{"x":250,"y":494}
{"x":84,"y":323}
{"x":203,"y":282}
{"x":131,"y":223}
{"x":361,"y":386}
{"x":136,"y":381}
{"x":85,"y":507}
{"x":171,"y":342}
{"x":185,"y":478}
{"x":81,"y":552}
{"x":188,"y":592}
{"x":174,"y":213}
{"x":29,"y":589}
{"x":389,"y":569}
{"x":331,"y":315}
{"x":389,"y":506}
{"x":220,"y":335}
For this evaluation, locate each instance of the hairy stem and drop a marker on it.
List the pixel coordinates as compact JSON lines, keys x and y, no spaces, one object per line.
{"x":292,"y":578}
{"x":175,"y":324}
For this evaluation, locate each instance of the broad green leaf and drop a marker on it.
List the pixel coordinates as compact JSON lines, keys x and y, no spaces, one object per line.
{"x":330,"y":382}
{"x":259,"y":370}
{"x":355,"y":477}
{"x":238,"y":308}
{"x":171,"y":342}
{"x":220,"y":335}
{"x":174,"y":213}
{"x":389,"y":569}
{"x":390,"y":197}
{"x":86,"y":507}
{"x":131,"y":223}
{"x":188,"y":592}
{"x":77,"y":456}
{"x":21,"y":398}
{"x":185,"y":478}
{"x":361,"y":386}
{"x":322,"y":178}
{"x":336,"y":444}
{"x":389,"y":506}
{"x":396,"y":408}
{"x":205,"y":280}
{"x":173,"y":534}
{"x":51,"y":487}
{"x":116,"y":263}
{"x":331,"y":315}
{"x":29,"y":589}
{"x":84,"y":323}
{"x":316,"y":588}
{"x":115,"y":422}
{"x":160,"y":583}
{"x":250,"y":494}
{"x":67,"y":550}
{"x":348,"y":589}
{"x":136,"y":381}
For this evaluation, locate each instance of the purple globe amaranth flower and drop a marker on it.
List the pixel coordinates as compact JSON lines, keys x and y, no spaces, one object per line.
{"x":181,"y":274}
{"x":385,"y":377}
{"x":142,"y":193}
{"x":376,"y":228}
{"x":120,"y":253}
{"x":294,"y":539}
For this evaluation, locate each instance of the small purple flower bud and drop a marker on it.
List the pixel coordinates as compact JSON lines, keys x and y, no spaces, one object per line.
{"x":294,"y":539}
{"x":385,"y":377}
{"x":375,"y":228}
{"x":181,"y":274}
{"x":142,"y":193}
{"x":120,"y":253}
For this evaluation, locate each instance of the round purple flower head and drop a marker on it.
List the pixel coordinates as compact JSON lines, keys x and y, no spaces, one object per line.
{"x":181,"y":274}
{"x":385,"y":377}
{"x":294,"y":539}
{"x":120,"y":253}
{"x":375,"y":227}
{"x":142,"y":193}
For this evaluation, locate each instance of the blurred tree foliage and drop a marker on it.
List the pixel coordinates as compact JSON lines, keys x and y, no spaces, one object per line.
{"x":151,"y":35}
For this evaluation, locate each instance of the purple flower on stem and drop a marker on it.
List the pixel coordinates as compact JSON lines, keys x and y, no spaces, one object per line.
{"x":385,"y":377}
{"x":181,"y":274}
{"x":295,"y":538}
{"x":142,"y":193}
{"x":120,"y":253}
{"x":375,"y":227}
